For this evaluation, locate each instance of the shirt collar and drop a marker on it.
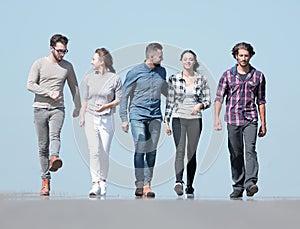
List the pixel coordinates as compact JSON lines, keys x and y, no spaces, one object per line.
{"x":234,"y":71}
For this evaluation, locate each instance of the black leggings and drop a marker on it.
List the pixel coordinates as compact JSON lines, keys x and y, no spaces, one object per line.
{"x":190,"y":130}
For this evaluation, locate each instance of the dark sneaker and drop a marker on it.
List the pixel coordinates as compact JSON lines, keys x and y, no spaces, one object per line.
{"x":252,"y":190}
{"x":178,"y":188}
{"x":139,"y":192}
{"x":236,"y":195}
{"x":189,"y":192}
{"x":55,"y":163}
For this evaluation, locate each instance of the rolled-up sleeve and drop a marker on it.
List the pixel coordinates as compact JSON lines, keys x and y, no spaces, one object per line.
{"x":222,"y":88}
{"x":261,"y":94}
{"x":170,"y":103}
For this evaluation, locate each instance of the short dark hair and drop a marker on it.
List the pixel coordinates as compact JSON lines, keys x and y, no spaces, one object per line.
{"x":242,"y":45}
{"x":58,"y":38}
{"x":153,"y":47}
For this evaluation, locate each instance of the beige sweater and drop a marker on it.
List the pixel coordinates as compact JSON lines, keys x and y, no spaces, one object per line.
{"x":45,"y":76}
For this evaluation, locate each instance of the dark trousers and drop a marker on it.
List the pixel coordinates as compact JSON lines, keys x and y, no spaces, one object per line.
{"x":186,"y":130}
{"x":243,"y":157}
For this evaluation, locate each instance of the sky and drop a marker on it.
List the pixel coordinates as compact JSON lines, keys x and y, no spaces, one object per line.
{"x":210,"y":28}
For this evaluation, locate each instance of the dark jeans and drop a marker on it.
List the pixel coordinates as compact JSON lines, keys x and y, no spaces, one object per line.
{"x":190,"y":130}
{"x":242,"y":144}
{"x":145,"y":134}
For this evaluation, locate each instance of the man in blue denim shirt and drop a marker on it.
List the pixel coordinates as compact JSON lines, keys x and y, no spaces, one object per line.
{"x":143,"y":87}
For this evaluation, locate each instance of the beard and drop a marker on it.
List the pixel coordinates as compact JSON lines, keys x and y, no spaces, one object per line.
{"x":57,"y":57}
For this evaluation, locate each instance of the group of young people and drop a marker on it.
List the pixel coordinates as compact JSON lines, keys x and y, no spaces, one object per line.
{"x":139,"y":97}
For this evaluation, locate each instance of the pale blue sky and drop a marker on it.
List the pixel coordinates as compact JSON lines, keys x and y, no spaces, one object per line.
{"x":210,"y":28}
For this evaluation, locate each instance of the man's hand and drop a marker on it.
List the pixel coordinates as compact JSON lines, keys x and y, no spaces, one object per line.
{"x":262,"y":131}
{"x":55,"y":95}
{"x":75,"y":113}
{"x":218,"y":124}
{"x":125,"y":126}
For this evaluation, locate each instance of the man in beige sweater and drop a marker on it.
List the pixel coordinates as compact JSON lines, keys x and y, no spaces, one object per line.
{"x":46,"y":80}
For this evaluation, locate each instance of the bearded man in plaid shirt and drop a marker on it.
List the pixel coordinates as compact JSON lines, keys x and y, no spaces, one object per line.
{"x":245,"y":89}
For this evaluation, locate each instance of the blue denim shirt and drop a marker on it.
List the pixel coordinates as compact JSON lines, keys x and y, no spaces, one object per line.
{"x":143,"y":87}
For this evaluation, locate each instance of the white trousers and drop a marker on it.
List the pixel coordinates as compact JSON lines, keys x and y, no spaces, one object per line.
{"x":99,"y":131}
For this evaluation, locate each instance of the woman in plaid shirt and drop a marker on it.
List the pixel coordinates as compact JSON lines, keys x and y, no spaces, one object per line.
{"x":188,"y":94}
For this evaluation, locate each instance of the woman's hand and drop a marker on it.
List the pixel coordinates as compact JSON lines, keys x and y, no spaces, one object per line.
{"x":102,"y":107}
{"x":197,"y":108}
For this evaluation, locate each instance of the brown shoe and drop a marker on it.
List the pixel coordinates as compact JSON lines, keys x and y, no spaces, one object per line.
{"x":148,"y":191}
{"x":45,"y":187}
{"x":55,"y":163}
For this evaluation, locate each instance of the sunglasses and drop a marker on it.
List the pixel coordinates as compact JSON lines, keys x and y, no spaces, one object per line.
{"x":61,"y":51}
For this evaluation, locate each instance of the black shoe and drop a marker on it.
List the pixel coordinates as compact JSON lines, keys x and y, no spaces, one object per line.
{"x":139,"y":191}
{"x":236,"y":194}
{"x":189,"y":192}
{"x":252,"y":190}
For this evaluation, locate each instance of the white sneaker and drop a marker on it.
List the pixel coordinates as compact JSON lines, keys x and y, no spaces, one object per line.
{"x":102,"y":185}
{"x":95,"y":191}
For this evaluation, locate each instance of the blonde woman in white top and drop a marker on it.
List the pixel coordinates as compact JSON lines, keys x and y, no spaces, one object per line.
{"x":101,"y":94}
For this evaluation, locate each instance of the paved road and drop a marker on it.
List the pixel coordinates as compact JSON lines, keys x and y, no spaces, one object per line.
{"x":82,"y":213}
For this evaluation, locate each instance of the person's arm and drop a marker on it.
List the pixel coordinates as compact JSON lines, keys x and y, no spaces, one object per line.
{"x":33,"y":82}
{"x":262,"y":114}
{"x":116,"y":101}
{"x":206,"y":99}
{"x":217,"y":123}
{"x":170,"y":103}
{"x":128,"y":88}
{"x":82,"y":113}
{"x":221,"y":92}
{"x":261,"y":100}
{"x":73,"y":85}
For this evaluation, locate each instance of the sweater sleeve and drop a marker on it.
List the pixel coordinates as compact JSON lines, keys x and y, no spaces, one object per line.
{"x":73,"y":85}
{"x":33,"y":82}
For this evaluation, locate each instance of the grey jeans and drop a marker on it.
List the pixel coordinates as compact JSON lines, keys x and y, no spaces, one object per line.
{"x":243,"y":157}
{"x":48,"y":124}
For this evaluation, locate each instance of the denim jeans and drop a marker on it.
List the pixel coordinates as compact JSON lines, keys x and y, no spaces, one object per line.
{"x":243,"y":157}
{"x":99,"y":132}
{"x":145,"y":135}
{"x":48,"y":124}
{"x":186,"y":130}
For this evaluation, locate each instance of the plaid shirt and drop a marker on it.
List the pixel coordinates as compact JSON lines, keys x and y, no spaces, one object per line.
{"x":241,"y":95}
{"x":177,"y":90}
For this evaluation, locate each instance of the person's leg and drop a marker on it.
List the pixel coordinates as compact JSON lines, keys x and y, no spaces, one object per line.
{"x":236,"y":150}
{"x":138,"y":130}
{"x":91,"y":125}
{"x":106,"y":132}
{"x":56,"y":121}
{"x":152,"y":135}
{"x":179,"y":136}
{"x":194,"y":127}
{"x":42,"y":129}
{"x":251,"y":167}
{"x":41,"y":117}
{"x":93,"y":145}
